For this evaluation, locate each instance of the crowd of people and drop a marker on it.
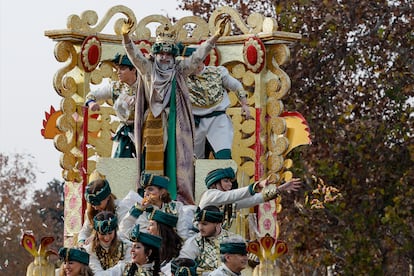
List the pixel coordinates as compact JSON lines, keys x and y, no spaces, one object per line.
{"x":157,"y":236}
{"x":169,"y":109}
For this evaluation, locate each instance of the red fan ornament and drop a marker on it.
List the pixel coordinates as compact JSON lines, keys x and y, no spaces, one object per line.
{"x":254,"y":54}
{"x":91,"y":53}
{"x":145,"y":47}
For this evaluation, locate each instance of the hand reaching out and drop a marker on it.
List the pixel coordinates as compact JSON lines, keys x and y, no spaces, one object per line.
{"x":246,"y":111}
{"x":245,"y":108}
{"x":94,"y":106}
{"x":270,"y":191}
{"x":222,"y":25}
{"x":85,"y":242}
{"x":292,"y":185}
{"x":127,"y":26}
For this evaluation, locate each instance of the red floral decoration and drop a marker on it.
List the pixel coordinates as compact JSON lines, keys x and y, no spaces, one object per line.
{"x":91,"y":53}
{"x":267,"y":242}
{"x":281,"y":248}
{"x":144,"y":46}
{"x":254,"y":53}
{"x":254,"y":247}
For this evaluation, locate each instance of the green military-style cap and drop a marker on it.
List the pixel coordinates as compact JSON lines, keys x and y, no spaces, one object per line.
{"x":95,"y":198}
{"x":233,"y":248}
{"x":145,"y":238}
{"x":122,"y":59}
{"x":149,"y":179}
{"x":105,"y":226}
{"x":163,"y":217}
{"x":184,"y":267}
{"x":208,"y":215}
{"x":218,"y":174}
{"x":74,"y":254}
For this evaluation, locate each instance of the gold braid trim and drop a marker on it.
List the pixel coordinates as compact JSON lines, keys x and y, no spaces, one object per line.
{"x":154,"y":141}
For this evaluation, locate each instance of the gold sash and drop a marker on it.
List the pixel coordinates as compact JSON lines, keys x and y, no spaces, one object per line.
{"x":153,"y":139}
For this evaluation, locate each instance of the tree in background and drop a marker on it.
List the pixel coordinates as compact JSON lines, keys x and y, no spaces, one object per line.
{"x":46,"y":212}
{"x":352,"y":78}
{"x":21,"y":209}
{"x":17,"y":175}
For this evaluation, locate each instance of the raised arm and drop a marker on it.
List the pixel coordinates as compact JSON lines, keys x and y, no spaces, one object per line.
{"x":190,"y":64}
{"x":135,"y":55}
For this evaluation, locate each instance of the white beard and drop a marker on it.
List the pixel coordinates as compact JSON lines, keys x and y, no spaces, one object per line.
{"x":163,"y":75}
{"x":165,"y":66}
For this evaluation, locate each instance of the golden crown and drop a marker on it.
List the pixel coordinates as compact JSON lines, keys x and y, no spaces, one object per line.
{"x":165,"y":35}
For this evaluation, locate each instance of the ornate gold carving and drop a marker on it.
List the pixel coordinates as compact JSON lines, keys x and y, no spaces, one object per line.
{"x":278,"y":145}
{"x":89,"y":18}
{"x":276,"y":126}
{"x":274,"y":107}
{"x":142,"y":32}
{"x":255,"y":21}
{"x":105,"y":70}
{"x":265,"y":92}
{"x":274,"y":162}
{"x":198,"y":33}
{"x":275,"y":54}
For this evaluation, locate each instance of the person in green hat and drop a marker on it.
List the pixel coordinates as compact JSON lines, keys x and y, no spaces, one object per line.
{"x":154,"y":190}
{"x":75,"y":262}
{"x":233,"y":258}
{"x":107,"y":249}
{"x":222,"y":192}
{"x":204,"y":246}
{"x":164,"y":225}
{"x":123,"y":93}
{"x":167,"y":140}
{"x":99,"y":197}
{"x":145,"y":255}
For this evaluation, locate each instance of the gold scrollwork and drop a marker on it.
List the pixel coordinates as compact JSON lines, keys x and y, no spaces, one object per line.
{"x":89,"y":18}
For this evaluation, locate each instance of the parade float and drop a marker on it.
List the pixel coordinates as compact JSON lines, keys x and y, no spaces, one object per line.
{"x":261,"y":145}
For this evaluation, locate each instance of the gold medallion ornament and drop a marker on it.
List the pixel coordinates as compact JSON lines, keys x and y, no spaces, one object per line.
{"x":91,"y":53}
{"x":254,"y":54}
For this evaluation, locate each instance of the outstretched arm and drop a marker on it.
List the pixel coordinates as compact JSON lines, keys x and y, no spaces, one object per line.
{"x":270,"y":191}
{"x":292,"y":185}
{"x":134,"y":53}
